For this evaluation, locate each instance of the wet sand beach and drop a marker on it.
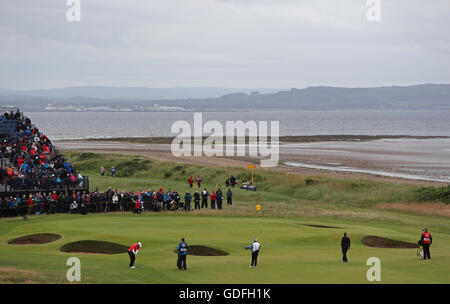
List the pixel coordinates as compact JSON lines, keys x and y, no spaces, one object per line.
{"x":401,"y":160}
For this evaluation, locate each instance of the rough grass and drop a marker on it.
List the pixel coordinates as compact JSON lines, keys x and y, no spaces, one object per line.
{"x":136,"y":173}
{"x":10,"y":275}
{"x":423,"y":208}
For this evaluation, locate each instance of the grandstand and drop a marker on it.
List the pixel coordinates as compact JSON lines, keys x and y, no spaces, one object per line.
{"x":29,"y":161}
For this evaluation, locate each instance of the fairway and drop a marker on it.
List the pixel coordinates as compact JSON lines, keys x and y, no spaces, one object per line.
{"x":291,"y":252}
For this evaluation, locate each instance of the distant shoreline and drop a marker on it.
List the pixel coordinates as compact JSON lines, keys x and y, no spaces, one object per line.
{"x":289,"y":138}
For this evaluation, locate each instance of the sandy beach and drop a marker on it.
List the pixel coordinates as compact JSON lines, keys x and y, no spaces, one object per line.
{"x":398,"y":160}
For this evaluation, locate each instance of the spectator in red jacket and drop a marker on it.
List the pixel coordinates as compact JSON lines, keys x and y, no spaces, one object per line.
{"x":137,"y":206}
{"x":213,"y":199}
{"x":30,"y":204}
{"x":54,"y":196}
{"x":191,"y":181}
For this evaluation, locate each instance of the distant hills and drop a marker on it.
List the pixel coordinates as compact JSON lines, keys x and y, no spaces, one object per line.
{"x":103,"y":92}
{"x":415,"y":97}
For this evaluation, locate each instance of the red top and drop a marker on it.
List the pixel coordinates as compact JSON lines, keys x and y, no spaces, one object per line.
{"x":213,"y":196}
{"x":134,"y":247}
{"x":426,"y":238}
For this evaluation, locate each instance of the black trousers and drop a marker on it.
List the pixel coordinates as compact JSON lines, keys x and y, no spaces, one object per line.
{"x":204,"y":203}
{"x":181,"y":262}
{"x":197,"y":204}
{"x":229,"y":202}
{"x":132,"y":258}
{"x":213,"y":204}
{"x":344,"y":254}
{"x":255,"y":258}
{"x":426,"y":251}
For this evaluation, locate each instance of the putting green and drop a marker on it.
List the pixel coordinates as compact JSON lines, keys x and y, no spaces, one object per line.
{"x":291,"y":252}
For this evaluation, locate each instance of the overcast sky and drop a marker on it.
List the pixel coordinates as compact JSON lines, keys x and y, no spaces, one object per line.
{"x":226,"y":43}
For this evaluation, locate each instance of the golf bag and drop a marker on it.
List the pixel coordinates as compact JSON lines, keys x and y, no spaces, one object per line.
{"x":420,"y":250}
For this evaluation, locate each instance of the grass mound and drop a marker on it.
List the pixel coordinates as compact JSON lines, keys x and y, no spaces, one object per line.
{"x":200,"y":250}
{"x":38,"y":238}
{"x":381,"y":242}
{"x":89,"y":246}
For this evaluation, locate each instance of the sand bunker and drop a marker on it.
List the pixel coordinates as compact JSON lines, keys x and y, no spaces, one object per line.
{"x":97,"y":247}
{"x":39,"y":238}
{"x":200,"y":250}
{"x":320,"y":226}
{"x":380,"y":242}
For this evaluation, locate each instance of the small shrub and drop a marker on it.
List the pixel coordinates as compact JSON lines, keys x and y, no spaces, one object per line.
{"x":310,"y":182}
{"x":88,"y":156}
{"x":441,"y":194}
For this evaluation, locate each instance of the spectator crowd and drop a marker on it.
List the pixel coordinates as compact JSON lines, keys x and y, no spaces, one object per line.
{"x":29,"y":159}
{"x":36,"y":179}
{"x":110,"y":201}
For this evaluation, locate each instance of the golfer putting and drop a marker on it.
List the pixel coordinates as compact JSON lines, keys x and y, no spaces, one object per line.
{"x":132,"y":252}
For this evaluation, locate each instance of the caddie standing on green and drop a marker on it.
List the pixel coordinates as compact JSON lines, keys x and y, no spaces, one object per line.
{"x":182,"y":252}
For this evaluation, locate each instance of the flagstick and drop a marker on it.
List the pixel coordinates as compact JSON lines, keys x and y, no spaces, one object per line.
{"x":260,"y":219}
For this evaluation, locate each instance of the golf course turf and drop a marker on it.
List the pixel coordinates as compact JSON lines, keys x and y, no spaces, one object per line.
{"x":300,"y":230}
{"x":290,"y":253}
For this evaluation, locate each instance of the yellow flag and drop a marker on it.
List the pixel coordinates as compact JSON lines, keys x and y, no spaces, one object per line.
{"x":258,"y":207}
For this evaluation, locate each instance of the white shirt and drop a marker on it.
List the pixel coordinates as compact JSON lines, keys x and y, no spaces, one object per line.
{"x":256,"y":246}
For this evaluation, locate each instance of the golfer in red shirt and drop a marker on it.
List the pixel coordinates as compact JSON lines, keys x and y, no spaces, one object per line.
{"x":132,"y":252}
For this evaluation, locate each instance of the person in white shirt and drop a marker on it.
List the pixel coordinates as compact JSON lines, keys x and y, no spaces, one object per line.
{"x":255,"y":247}
{"x":73,"y":207}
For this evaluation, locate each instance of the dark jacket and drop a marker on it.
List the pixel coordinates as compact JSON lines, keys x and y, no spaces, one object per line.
{"x":229,"y":194}
{"x":182,"y":248}
{"x":345,"y":242}
{"x":188,"y":197}
{"x":196,"y":196}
